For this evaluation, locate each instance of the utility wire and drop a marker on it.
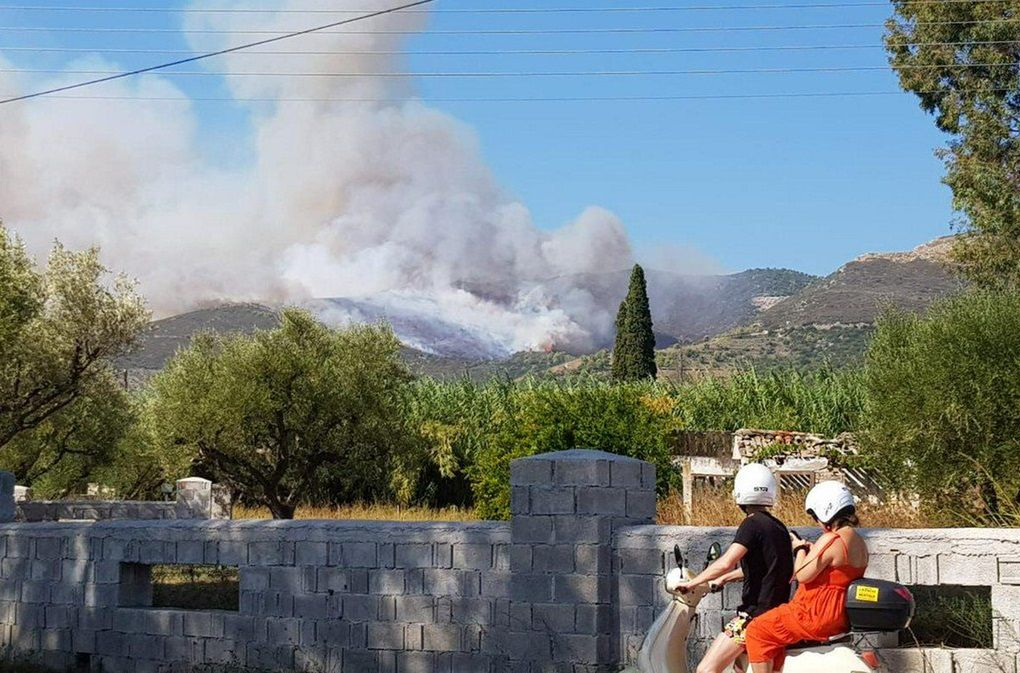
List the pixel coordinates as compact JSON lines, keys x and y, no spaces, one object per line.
{"x":490,"y":10}
{"x":534,"y":73}
{"x":511,"y":31}
{"x":221,"y":52}
{"x":527,"y":99}
{"x":507,"y":52}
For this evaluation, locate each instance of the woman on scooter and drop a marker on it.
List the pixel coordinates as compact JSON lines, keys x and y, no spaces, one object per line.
{"x":824,"y":570}
{"x":760,"y":555}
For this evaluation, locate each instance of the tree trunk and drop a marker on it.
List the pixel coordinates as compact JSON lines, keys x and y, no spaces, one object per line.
{"x":990,"y":495}
{"x":280,"y":510}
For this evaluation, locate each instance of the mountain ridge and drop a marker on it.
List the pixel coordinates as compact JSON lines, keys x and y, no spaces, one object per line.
{"x":711,"y":324}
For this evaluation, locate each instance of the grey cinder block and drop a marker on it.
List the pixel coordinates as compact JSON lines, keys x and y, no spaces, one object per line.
{"x":8,"y":506}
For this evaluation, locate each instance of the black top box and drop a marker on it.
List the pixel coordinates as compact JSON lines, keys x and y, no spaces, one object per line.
{"x":877,"y":605}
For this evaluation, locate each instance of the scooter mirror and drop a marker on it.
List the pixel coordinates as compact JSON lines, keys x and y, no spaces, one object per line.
{"x":714,"y":552}
{"x":678,"y":556}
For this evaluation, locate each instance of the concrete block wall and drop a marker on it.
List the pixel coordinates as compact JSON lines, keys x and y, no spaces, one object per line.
{"x":966,"y":557}
{"x":197,"y":498}
{"x":570,"y":585}
{"x":359,"y":597}
{"x":566,"y":507}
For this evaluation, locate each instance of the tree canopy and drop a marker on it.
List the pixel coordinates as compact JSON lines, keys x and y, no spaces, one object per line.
{"x":943,"y":394}
{"x":59,"y":327}
{"x":962,"y":59}
{"x":295,"y":414}
{"x":634,"y":351}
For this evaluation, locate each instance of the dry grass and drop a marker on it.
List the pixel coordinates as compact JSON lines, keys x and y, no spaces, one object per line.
{"x":714,"y":507}
{"x":195,"y":587}
{"x":364,"y":512}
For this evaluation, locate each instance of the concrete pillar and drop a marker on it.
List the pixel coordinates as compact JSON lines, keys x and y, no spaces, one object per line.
{"x":565,"y":508}
{"x":199,"y":498}
{"x":8,"y":506}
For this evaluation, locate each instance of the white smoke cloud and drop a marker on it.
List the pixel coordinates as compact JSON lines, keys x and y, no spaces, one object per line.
{"x":387,"y":202}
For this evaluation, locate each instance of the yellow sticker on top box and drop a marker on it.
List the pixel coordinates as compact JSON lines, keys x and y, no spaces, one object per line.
{"x":867,"y":594}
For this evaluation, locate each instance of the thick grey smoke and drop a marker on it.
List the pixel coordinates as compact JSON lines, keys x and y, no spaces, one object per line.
{"x":387,"y":203}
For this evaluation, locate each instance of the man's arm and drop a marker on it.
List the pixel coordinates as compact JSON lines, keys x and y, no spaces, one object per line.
{"x":732,"y":576}
{"x":724,"y":565}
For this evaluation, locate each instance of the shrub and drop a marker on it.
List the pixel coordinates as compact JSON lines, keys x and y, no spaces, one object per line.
{"x":635,"y":420}
{"x":943,"y":403}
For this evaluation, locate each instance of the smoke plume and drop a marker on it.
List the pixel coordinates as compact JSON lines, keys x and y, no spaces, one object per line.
{"x":382,"y":203}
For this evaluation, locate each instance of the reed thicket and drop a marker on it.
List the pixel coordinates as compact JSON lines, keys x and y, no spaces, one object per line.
{"x":470,"y":432}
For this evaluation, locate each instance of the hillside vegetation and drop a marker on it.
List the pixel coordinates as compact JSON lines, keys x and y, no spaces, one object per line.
{"x":829,"y":321}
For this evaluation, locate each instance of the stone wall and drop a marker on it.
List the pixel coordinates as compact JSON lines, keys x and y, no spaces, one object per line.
{"x":314,"y":596}
{"x":196,"y":498}
{"x":570,"y":585}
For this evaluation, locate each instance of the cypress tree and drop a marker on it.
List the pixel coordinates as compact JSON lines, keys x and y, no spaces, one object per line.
{"x":634,"y":352}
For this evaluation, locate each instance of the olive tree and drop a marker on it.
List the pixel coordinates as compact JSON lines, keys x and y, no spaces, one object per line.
{"x":943,"y":403}
{"x":59,"y":327}
{"x":298,"y":413}
{"x":71,"y":448}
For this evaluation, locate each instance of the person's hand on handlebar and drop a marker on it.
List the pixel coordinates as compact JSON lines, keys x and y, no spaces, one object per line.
{"x":717,"y":585}
{"x":687,"y":587}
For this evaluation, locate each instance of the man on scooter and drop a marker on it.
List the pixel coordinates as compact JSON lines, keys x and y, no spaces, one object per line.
{"x":761,"y":555}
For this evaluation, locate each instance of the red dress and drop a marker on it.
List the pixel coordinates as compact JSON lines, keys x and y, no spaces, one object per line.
{"x":816,"y":613}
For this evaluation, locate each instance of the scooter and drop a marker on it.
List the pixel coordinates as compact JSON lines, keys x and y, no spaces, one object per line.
{"x":873,"y":605}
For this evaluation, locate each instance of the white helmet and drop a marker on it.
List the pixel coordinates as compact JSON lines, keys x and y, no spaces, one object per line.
{"x":755,"y":485}
{"x":828,"y":499}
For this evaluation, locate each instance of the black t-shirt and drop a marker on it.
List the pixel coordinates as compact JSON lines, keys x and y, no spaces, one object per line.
{"x":768,"y":564}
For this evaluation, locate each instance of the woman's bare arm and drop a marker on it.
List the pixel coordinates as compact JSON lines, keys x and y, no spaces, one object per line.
{"x":809,"y":566}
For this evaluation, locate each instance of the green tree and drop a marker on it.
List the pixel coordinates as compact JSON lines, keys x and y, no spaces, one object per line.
{"x":634,"y":351}
{"x":942,"y":413}
{"x":295,"y":414}
{"x":58,"y":328}
{"x":962,"y":59}
{"x":62,"y":454}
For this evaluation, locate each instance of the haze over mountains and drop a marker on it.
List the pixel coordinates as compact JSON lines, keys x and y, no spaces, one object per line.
{"x":761,"y":316}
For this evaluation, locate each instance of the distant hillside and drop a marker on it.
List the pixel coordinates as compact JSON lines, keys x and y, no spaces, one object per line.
{"x":686,"y":308}
{"x":764,"y":317}
{"x":857,"y":292}
{"x":163,"y":338}
{"x":831,"y":320}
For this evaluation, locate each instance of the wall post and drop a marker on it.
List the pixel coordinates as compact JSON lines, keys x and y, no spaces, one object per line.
{"x":199,"y":498}
{"x":565,"y":508}
{"x":8,"y":506}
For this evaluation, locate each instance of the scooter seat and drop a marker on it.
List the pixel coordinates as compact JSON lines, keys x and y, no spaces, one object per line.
{"x":807,"y":644}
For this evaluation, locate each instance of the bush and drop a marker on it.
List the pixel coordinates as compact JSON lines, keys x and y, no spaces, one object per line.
{"x":943,"y":403}
{"x":633,"y":419}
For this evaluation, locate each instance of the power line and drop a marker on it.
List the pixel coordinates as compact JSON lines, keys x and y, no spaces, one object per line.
{"x":528,"y":99}
{"x":221,"y":52}
{"x":487,"y":10}
{"x":534,"y":73}
{"x":507,"y":52}
{"x":510,"y":31}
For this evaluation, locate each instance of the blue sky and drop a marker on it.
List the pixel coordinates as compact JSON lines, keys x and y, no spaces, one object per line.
{"x":805,"y":183}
